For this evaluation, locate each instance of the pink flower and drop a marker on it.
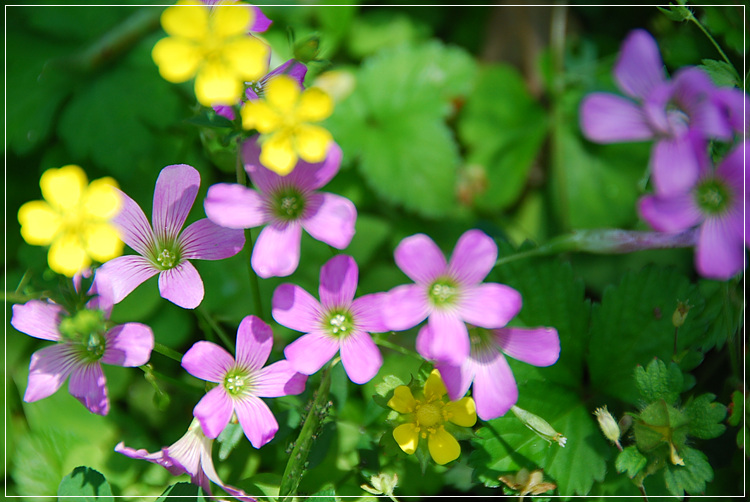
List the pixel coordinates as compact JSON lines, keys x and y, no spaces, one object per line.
{"x":337,"y":323}
{"x":286,"y":205}
{"x":166,"y":250}
{"x":242,"y":382}
{"x":449,"y":294}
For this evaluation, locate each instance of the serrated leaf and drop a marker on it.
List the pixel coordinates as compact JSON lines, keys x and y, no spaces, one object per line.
{"x":722,"y":313}
{"x":722,"y":73}
{"x":675,"y":12}
{"x":630,"y":460}
{"x":705,"y":417}
{"x":87,"y":484}
{"x":658,"y":381}
{"x":690,"y":478}
{"x":187,"y":492}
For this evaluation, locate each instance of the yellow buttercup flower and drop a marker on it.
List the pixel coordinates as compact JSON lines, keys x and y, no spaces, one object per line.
{"x":426,"y":419}
{"x":283,"y":118}
{"x":211,"y":44}
{"x":73,"y":219}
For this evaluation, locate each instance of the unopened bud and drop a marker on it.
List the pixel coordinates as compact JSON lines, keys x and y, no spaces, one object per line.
{"x":608,"y":425}
{"x":674,"y":457}
{"x":680,"y":313}
{"x":382,"y":484}
{"x":539,"y":425}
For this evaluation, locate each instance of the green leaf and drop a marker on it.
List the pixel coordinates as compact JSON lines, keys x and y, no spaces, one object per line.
{"x":675,"y":12}
{"x":228,"y":439}
{"x":705,"y":417}
{"x":722,"y":73}
{"x":690,"y":478}
{"x":722,"y":313}
{"x":384,"y":390}
{"x":630,"y":460}
{"x":737,"y":407}
{"x":86,"y":485}
{"x":324,"y":495}
{"x":658,"y":381}
{"x":185,"y":491}
{"x":375,"y":30}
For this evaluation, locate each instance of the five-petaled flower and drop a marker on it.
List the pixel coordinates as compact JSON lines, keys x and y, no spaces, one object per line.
{"x":85,"y":339}
{"x":74,"y":219}
{"x":242,"y":382}
{"x":427,"y":416}
{"x":212,"y":44}
{"x":284,"y":119}
{"x":449,"y":294}
{"x":337,"y":323}
{"x":287,"y":204}
{"x":165,"y":250}
{"x":191,"y":454}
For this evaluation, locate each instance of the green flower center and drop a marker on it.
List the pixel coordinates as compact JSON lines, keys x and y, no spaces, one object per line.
{"x":288,"y":204}
{"x":429,"y":414}
{"x":712,"y":197}
{"x":339,"y":323}
{"x":85,"y":329}
{"x":443,"y":292}
{"x":237,"y":382}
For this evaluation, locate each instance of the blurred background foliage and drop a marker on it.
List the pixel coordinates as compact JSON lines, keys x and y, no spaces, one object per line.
{"x":449,"y":118}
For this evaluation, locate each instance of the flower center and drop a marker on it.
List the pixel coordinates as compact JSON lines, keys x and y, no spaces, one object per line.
{"x":237,"y":382}
{"x":288,"y":204}
{"x":85,"y":330}
{"x":443,"y":292}
{"x":712,"y":197}
{"x":429,"y":414}
{"x":339,"y":324}
{"x":167,"y":258}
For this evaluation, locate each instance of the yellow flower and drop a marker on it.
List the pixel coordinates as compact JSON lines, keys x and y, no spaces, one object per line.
{"x":73,"y":219}
{"x":283,"y":119}
{"x":212,"y":45}
{"x":427,"y":417}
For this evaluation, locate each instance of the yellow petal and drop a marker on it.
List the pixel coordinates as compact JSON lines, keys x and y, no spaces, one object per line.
{"x":177,"y":58}
{"x":277,"y":154}
{"x":402,"y":400}
{"x":102,"y":242}
{"x":434,"y":387}
{"x":39,"y":222}
{"x":258,"y":115}
{"x":247,"y":57}
{"x":216,"y":84}
{"x":282,"y":93}
{"x":462,"y":412}
{"x":314,"y":105}
{"x":101,"y":200}
{"x":186,"y":19}
{"x":63,"y":187}
{"x":443,"y":447}
{"x":67,"y":256}
{"x":229,"y":20}
{"x":312,"y":142}
{"x":407,"y":437}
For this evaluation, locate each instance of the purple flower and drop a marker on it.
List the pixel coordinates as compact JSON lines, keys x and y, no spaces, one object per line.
{"x":494,"y":390}
{"x":449,"y":294}
{"x":85,"y":340}
{"x":165,"y":250}
{"x":716,"y":204}
{"x":673,"y":113}
{"x":242,"y":382}
{"x":191,"y":455}
{"x":337,"y":323}
{"x":286,"y":204}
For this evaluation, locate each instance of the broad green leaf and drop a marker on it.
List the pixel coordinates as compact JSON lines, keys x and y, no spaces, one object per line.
{"x":657,"y":381}
{"x":705,"y":417}
{"x":690,"y":478}
{"x":384,"y":389}
{"x":187,"y":492}
{"x":228,"y":439}
{"x":722,"y":73}
{"x":85,"y":484}
{"x":630,"y":460}
{"x":376,"y":30}
{"x":723,"y":312}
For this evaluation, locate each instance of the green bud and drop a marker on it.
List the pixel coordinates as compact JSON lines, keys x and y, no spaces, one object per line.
{"x":680,"y":313}
{"x":608,"y":425}
{"x":539,"y":426}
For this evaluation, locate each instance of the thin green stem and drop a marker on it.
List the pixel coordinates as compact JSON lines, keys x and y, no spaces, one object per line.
{"x":191,"y":386}
{"x":225,"y":339}
{"x":691,"y":17}
{"x":390,"y":345}
{"x":166,"y":351}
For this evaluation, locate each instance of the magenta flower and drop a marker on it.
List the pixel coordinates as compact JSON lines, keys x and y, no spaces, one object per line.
{"x":165,"y":250}
{"x":286,"y":204}
{"x":191,"y":455}
{"x":494,"y":390}
{"x":449,"y":294}
{"x":716,"y":204}
{"x":669,"y":112}
{"x":85,"y":339}
{"x":337,"y":323}
{"x":242,"y":382}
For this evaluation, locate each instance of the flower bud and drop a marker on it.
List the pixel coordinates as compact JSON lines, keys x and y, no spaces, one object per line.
{"x":539,"y":425}
{"x":680,"y":313}
{"x":608,"y":425}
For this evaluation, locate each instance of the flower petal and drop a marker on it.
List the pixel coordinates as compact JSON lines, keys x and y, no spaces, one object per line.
{"x":214,"y":411}
{"x":407,"y":437}
{"x":257,"y":114}
{"x":88,"y":385}
{"x":278,"y":153}
{"x":490,"y":305}
{"x":276,"y":252}
{"x":256,"y":419}
{"x":360,"y":357}
{"x":178,"y":59}
{"x":462,"y":412}
{"x":639,"y":66}
{"x":312,"y":142}
{"x":694,"y":90}
{"x":174,"y":195}
{"x":671,"y":213}
{"x":473,"y":257}
{"x":402,"y":400}
{"x":63,"y":188}
{"x":38,"y":319}
{"x":312,"y":176}
{"x":607,"y":118}
{"x":720,"y":252}
{"x":308,"y":353}
{"x":420,"y":258}
{"x":457,"y":378}
{"x":234,"y":206}
{"x":205,"y":240}
{"x":450,"y":339}
{"x":254,"y":342}
{"x":279,"y":379}
{"x":157,"y":457}
{"x":675,"y":165}
{"x":282,"y":93}
{"x":259,"y":21}
{"x":48,"y":370}
{"x":102,"y":241}
{"x":39,"y":222}
{"x":67,"y":255}
{"x":247,"y":57}
{"x":368,"y":313}
{"x":443,"y":447}
{"x":134,"y":227}
{"x":207,"y":361}
{"x":314,"y":105}
{"x":189,"y":21}
{"x":227,"y":21}
{"x":217,"y":84}
{"x":128,"y":345}
{"x":101,"y":200}
{"x":338,"y":282}
{"x":295,"y":308}
{"x":537,"y":346}
{"x":182,"y":285}
{"x":330,"y":218}
{"x":124,"y":274}
{"x":405,"y":306}
{"x":494,"y":389}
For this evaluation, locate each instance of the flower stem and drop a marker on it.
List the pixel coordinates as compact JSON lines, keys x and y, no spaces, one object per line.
{"x":166,"y":351}
{"x":691,"y":17}
{"x":401,"y":350}
{"x":225,"y":339}
{"x":295,"y":467}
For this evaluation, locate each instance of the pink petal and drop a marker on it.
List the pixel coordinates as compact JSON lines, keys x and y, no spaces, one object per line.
{"x":295,"y":308}
{"x":536,"y":346}
{"x":88,"y":385}
{"x":473,"y":257}
{"x":260,"y":22}
{"x":48,"y":370}
{"x":234,"y":206}
{"x":450,"y":339}
{"x":490,"y":305}
{"x":330,"y":218}
{"x":731,"y":169}
{"x":207,"y":361}
{"x":338,"y":282}
{"x":102,"y":294}
{"x":675,"y":165}
{"x":157,"y":458}
{"x":214,"y":411}
{"x":256,"y":420}
{"x":279,"y":379}
{"x":368,"y":313}
{"x":276,"y":252}
{"x":405,"y":306}
{"x":135,"y":230}
{"x":205,"y":240}
{"x":254,"y":342}
{"x":694,"y":89}
{"x":494,"y":389}
{"x":294,"y":69}
{"x":457,"y":379}
{"x":639,"y":66}
{"x":670,"y":214}
{"x":38,"y":319}
{"x":720,"y":252}
{"x":308,"y":353}
{"x":182,"y":285}
{"x":174,"y":195}
{"x":420,"y":259}
{"x":360,"y":357}
{"x":308,"y":176}
{"x":128,"y":345}
{"x":424,"y":342}
{"x":124,"y":274}
{"x":607,"y":118}
{"x":261,"y":177}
